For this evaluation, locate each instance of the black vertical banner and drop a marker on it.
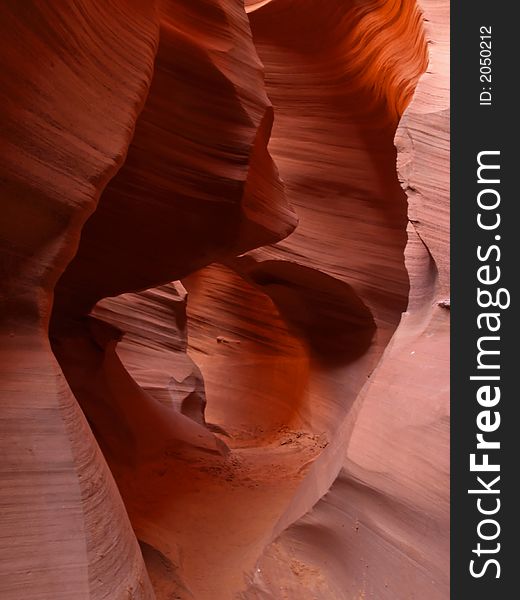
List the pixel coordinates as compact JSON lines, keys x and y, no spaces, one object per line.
{"x":485,"y":254}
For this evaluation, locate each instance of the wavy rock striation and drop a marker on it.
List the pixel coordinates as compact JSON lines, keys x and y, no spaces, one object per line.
{"x":74,"y":77}
{"x":382,"y":529}
{"x":245,"y":299}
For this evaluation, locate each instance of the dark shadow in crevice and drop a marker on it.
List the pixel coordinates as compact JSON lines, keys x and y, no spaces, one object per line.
{"x":326,"y":312}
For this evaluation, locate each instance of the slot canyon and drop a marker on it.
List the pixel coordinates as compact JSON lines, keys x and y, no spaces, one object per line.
{"x":224,"y":300}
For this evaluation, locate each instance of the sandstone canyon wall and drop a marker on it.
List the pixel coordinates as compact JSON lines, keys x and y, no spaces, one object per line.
{"x":224,"y":300}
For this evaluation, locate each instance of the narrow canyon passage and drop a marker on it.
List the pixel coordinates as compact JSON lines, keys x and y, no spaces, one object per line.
{"x":259,"y":334}
{"x":211,"y":406}
{"x":224,"y":301}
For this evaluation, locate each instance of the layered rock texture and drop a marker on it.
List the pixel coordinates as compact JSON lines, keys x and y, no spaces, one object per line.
{"x":224,"y":302}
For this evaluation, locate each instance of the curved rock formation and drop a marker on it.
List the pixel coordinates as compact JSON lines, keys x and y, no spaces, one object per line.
{"x":74,"y":76}
{"x":244,"y":297}
{"x":382,"y":530}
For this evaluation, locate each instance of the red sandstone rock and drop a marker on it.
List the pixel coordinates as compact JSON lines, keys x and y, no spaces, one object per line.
{"x":277,"y":422}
